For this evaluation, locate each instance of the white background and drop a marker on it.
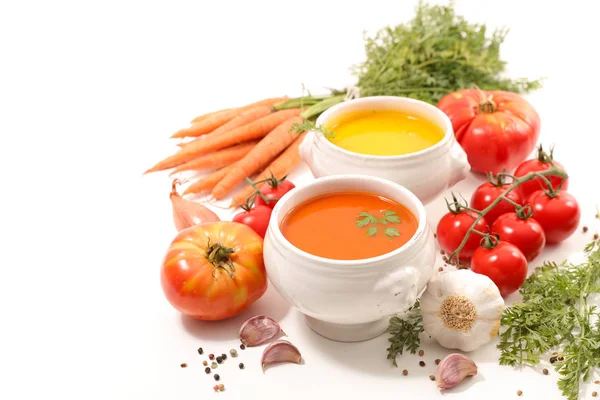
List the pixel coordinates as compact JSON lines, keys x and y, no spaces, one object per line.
{"x":89,"y":94}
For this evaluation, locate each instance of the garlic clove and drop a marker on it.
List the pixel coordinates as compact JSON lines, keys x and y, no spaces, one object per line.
{"x":453,"y":369}
{"x":279,"y":352}
{"x":258,"y":330}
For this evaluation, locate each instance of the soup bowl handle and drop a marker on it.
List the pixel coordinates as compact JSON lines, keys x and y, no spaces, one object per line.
{"x":459,"y":164}
{"x":398,"y":290}
{"x":306,"y":148}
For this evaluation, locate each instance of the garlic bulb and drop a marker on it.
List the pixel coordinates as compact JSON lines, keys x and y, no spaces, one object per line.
{"x":461,"y":309}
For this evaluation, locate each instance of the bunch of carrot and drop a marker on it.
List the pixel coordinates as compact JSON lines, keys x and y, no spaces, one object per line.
{"x":235,"y":144}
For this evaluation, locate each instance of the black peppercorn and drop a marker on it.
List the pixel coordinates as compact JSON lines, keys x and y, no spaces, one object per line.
{"x":200,"y":350}
{"x":242,"y":346}
{"x":422,"y":363}
{"x":217,"y":377}
{"x":219,"y":359}
{"x":552,"y":360}
{"x":207,"y":370}
{"x":241,"y":365}
{"x":224,"y":356}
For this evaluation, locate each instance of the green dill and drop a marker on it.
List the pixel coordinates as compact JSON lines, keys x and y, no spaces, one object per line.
{"x":405,"y":334}
{"x":364,"y":218}
{"x":307,"y":125}
{"x":433,"y":54}
{"x":555,"y":314}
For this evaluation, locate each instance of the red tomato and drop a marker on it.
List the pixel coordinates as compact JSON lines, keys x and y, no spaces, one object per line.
{"x":271,"y":191}
{"x":541,"y":163}
{"x":487,"y":192}
{"x":217,"y":278}
{"x":559,"y":215}
{"x":256,"y":218}
{"x":497,"y":129}
{"x":525,"y":233}
{"x":452,"y":228}
{"x":504,"y":264}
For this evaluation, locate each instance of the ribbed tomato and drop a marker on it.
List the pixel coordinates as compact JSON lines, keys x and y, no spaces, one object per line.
{"x":214,"y":270}
{"x":497,"y":129}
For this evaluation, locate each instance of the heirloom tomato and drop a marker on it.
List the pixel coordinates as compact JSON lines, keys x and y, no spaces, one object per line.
{"x":497,"y":129}
{"x":214,"y":270}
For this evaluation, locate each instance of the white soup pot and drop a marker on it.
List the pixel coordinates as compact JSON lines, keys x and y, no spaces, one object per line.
{"x":427,"y":173}
{"x":349,"y":300}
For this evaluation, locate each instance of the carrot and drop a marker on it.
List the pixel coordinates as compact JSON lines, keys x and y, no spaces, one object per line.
{"x":267,"y":149}
{"x":270,"y":102}
{"x":280,"y":167}
{"x":207,"y":124}
{"x":218,"y":158}
{"x":207,"y":182}
{"x":244,"y":118}
{"x":203,"y":116}
{"x":253,"y":130}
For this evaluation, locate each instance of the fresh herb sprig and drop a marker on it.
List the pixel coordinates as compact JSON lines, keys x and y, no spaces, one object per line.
{"x":306,"y":125}
{"x":405,"y":334}
{"x":554,"y":313}
{"x":389,"y":217}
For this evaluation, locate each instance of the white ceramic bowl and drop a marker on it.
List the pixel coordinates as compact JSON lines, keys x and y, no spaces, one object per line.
{"x":427,"y":173}
{"x":349,"y":300}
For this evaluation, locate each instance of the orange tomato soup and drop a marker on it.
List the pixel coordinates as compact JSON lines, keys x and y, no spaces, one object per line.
{"x":349,"y":225}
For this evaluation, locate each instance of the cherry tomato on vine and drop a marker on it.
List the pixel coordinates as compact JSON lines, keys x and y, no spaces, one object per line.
{"x":453,"y":227}
{"x":522,"y":231}
{"x":273,"y":189}
{"x":558,"y":213}
{"x":485,"y":195}
{"x":503,"y":263}
{"x":539,"y":164}
{"x":256,"y":218}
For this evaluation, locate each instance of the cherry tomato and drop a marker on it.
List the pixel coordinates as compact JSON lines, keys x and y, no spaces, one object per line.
{"x":525,"y":233}
{"x":497,"y":129}
{"x":541,"y":163}
{"x":558,"y":215}
{"x":214,"y":270}
{"x":256,"y":218}
{"x":504,"y":264}
{"x":452,"y":228}
{"x":486,"y":193}
{"x":273,"y":190}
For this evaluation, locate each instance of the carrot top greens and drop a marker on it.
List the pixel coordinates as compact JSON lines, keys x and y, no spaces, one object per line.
{"x":434,"y":53}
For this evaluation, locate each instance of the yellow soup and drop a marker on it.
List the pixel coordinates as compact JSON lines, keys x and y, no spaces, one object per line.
{"x":383,"y":132}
